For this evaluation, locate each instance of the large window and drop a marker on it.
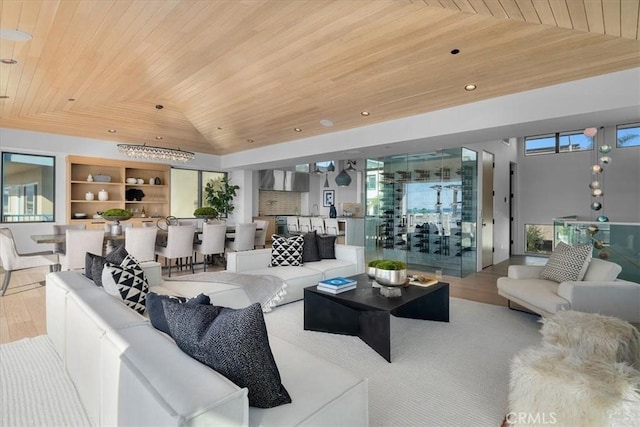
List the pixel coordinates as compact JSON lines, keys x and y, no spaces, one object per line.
{"x":628,"y":135}
{"x":28,"y":183}
{"x":561,"y":142}
{"x":187,"y":190}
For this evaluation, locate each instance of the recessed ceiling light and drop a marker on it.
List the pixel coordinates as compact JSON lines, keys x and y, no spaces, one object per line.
{"x":365,"y":113}
{"x":455,"y":51}
{"x":159,"y":107}
{"x":4,"y":97}
{"x":112,"y":131}
{"x":71,"y":99}
{"x":470,"y":87}
{"x":8,"y":61}
{"x":297,"y":129}
{"x":159,"y":138}
{"x":15,"y":35}
{"x":219,"y":128}
{"x":250,"y":141}
{"x":326,"y":123}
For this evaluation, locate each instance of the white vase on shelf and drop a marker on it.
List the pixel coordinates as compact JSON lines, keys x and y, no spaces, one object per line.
{"x":103,"y":196}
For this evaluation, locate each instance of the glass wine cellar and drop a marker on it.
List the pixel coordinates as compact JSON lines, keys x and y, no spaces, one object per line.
{"x":421,"y":209}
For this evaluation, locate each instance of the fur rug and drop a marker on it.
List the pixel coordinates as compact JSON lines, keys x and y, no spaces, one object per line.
{"x":583,"y":374}
{"x":585,"y":336}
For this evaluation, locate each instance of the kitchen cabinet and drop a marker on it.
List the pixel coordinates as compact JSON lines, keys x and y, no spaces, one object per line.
{"x":96,"y":176}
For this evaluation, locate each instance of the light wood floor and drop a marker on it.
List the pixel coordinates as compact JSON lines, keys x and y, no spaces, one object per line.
{"x":22,"y":309}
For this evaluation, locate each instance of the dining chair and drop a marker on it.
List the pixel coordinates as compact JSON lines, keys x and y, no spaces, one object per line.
{"x":12,"y":260}
{"x":261,"y":233}
{"x":60,"y":248}
{"x":304,"y":224}
{"x":140,"y":242}
{"x":243,"y":238}
{"x":292,"y":224}
{"x":317,"y":224}
{"x":179,"y":244}
{"x":79,"y":242}
{"x":331,"y":226}
{"x":213,"y":241}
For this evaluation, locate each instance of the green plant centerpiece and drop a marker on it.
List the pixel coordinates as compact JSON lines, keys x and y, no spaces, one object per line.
{"x":219,"y":195}
{"x":205,"y":212}
{"x":372,"y":267}
{"x":116,"y":215}
{"x":390,"y":272}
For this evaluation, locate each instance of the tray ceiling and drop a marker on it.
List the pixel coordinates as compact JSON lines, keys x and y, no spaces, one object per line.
{"x":242,"y":74}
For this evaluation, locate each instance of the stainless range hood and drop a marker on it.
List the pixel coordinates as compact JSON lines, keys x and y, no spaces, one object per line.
{"x":277,"y":180}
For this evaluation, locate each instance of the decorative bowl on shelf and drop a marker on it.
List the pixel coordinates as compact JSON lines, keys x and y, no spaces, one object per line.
{"x":131,"y":181}
{"x":102,"y":178}
{"x":79,"y":215}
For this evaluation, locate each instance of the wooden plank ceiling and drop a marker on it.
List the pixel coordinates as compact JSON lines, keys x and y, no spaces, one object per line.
{"x":234,"y":75}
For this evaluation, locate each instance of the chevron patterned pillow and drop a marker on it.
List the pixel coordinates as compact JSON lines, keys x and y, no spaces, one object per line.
{"x":567,"y":263}
{"x":286,"y":251}
{"x":127,"y":282}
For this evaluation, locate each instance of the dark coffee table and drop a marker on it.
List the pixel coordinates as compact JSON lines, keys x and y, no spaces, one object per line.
{"x":363,"y":312}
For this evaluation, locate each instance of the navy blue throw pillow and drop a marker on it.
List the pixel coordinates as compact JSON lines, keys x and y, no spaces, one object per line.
{"x":93,"y":264}
{"x":155,"y":308}
{"x":233,"y":343}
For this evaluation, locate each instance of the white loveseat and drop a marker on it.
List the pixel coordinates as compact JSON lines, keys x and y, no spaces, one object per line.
{"x":599,"y":291}
{"x":128,"y":373}
{"x":349,"y":261}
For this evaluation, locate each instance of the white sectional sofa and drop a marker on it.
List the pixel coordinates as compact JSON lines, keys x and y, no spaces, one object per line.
{"x":349,"y":261}
{"x":128,"y":373}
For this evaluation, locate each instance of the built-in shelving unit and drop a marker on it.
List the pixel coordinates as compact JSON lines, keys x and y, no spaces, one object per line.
{"x":155,"y":202}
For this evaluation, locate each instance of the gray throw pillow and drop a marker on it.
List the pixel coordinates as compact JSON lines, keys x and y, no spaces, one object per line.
{"x":567,"y":263}
{"x":327,"y":247}
{"x":154,"y":306}
{"x":233,"y":343}
{"x":93,"y":264}
{"x":310,"y":249}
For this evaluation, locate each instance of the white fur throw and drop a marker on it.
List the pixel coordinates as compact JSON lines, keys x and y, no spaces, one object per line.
{"x":544,"y":389}
{"x":589,"y":336}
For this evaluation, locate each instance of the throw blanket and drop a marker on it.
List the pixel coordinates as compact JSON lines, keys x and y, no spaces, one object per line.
{"x":265,"y":289}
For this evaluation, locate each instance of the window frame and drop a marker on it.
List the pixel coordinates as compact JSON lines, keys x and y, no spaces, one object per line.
{"x":5,"y":200}
{"x":200,"y":190}
{"x":557,"y":146}
{"x":627,"y":126}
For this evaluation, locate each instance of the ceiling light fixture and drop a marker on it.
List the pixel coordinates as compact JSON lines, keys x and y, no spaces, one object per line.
{"x":9,"y":61}
{"x":112,"y":131}
{"x":455,"y":51}
{"x":350,"y":167}
{"x":343,"y":179}
{"x":149,"y":152}
{"x":364,"y":113}
{"x":326,"y":123}
{"x":470,"y":87}
{"x":159,"y":138}
{"x":250,"y":141}
{"x":297,"y":129}
{"x":331,"y":167}
{"x":15,"y":35}
{"x":326,"y":181}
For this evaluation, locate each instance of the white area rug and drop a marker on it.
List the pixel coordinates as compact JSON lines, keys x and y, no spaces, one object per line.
{"x":442,"y":374}
{"x":34,"y":387}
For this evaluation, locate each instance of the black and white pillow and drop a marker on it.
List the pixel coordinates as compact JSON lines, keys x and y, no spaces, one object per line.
{"x":155,"y":309}
{"x":233,"y":343}
{"x":126,"y":281}
{"x":93,"y":264}
{"x":567,"y":263}
{"x":286,"y":251}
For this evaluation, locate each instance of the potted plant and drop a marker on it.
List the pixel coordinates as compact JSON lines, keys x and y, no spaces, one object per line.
{"x":205,"y":212}
{"x":219,"y":194}
{"x":372,"y":267}
{"x":391,"y":273}
{"x":116,"y":215}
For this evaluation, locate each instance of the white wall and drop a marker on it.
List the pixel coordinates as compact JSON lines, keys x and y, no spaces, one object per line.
{"x":555,"y":185}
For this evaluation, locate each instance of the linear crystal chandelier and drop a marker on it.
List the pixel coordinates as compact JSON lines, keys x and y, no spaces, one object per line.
{"x":149,"y":152}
